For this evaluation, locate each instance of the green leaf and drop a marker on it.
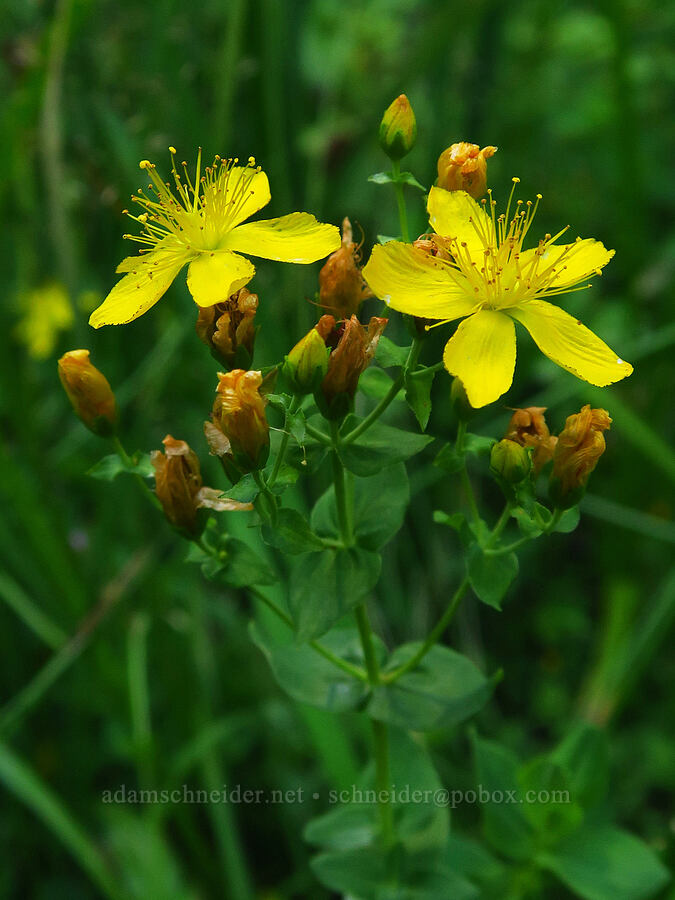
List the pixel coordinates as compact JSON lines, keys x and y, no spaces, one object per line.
{"x":401,"y":178}
{"x":600,"y":862}
{"x":375,"y":383}
{"x":381,"y":178}
{"x":356,"y":863}
{"x":378,"y":447}
{"x":449,"y":460}
{"x":310,"y":678}
{"x":110,"y":467}
{"x":529,"y":523}
{"x":568,"y":520}
{"x":452,"y":520}
{"x":490,"y":576}
{"x":409,"y":179}
{"x":584,"y":754}
{"x":296,"y":425}
{"x":443,"y":690}
{"x":285,"y":476}
{"x":245,"y":490}
{"x":380,"y":503}
{"x":326,"y":585}
{"x":504,"y":825}
{"x":291,"y":533}
{"x":550,"y":809}
{"x":241,"y":567}
{"x":477,"y":444}
{"x":418,"y":394}
{"x":389,"y":354}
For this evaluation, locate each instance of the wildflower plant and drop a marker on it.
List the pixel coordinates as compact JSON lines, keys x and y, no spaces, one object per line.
{"x":303,"y":420}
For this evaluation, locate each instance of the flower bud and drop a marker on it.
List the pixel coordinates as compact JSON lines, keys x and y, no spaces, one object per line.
{"x":178,"y":485}
{"x":342,"y":289}
{"x":580,"y":445}
{"x":239,"y":413}
{"x":89,"y":392}
{"x":398,"y":129}
{"x":228,"y":329}
{"x":463,"y":167}
{"x":528,"y":428}
{"x":511,"y":462}
{"x":307,"y":363}
{"x":459,"y":401}
{"x":353,"y":348}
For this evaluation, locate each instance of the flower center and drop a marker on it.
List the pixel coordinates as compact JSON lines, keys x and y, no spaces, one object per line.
{"x":500,"y":274}
{"x":195,"y":213}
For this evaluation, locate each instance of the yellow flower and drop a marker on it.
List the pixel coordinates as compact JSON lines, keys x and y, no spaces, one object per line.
{"x":47,"y":311}
{"x":481,"y":273}
{"x":200,"y":223}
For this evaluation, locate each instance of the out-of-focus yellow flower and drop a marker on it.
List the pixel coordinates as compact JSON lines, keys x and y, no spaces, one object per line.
{"x":580,"y":445}
{"x":46,"y":312}
{"x":228,"y":329}
{"x":352,"y":347}
{"x":342,"y":289}
{"x":239,"y":413}
{"x":491,"y":281}
{"x":178,"y":485}
{"x":200,"y":223}
{"x":89,"y":392}
{"x":463,"y":167}
{"x":398,"y":128}
{"x":528,"y":428}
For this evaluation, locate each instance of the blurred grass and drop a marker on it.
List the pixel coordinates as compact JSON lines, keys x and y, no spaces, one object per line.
{"x":580,"y":100}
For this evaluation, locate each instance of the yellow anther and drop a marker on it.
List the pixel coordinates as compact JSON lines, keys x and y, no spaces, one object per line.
{"x":145,"y":164}
{"x":172,"y":149}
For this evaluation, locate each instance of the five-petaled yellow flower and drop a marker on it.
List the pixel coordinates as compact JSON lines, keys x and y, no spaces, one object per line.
{"x":200,"y":223}
{"x":475,"y":268}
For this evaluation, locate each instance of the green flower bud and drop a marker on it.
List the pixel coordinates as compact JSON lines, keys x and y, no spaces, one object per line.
{"x":398,"y":129}
{"x":510,"y":462}
{"x":307,"y":363}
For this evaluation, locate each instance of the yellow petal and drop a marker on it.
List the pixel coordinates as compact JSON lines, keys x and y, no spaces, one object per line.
{"x":482,"y":352}
{"x":246,"y":191}
{"x":213,"y":277}
{"x":296,"y":238}
{"x":566,"y":264}
{"x":145,"y":284}
{"x":570,"y":344}
{"x":455,"y":214}
{"x":413,"y":281}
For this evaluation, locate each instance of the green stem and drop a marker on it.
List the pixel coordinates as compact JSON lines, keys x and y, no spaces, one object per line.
{"x":400,"y":200}
{"x":343,"y":511}
{"x":501,"y":524}
{"x":354,"y":671}
{"x":396,"y":386}
{"x":128,"y":461}
{"x":380,"y":733}
{"x":516,"y":545}
{"x":283,"y":446}
{"x":463,"y":473}
{"x":433,"y":637}
{"x":318,"y":435}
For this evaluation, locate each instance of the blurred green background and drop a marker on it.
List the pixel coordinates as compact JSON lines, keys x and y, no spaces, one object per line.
{"x":161,"y":685}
